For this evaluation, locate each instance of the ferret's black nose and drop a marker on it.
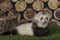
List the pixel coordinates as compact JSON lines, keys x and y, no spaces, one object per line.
{"x":44,"y":22}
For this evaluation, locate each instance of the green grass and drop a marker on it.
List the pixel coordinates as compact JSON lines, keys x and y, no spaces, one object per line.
{"x":54,"y":35}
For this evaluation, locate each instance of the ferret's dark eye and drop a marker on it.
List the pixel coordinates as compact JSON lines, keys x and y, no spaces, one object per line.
{"x":41,"y":18}
{"x":46,"y":18}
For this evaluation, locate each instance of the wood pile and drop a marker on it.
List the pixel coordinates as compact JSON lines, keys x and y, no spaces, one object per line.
{"x":26,"y":9}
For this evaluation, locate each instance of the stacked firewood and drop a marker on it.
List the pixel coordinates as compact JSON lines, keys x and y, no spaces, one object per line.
{"x":27,"y":9}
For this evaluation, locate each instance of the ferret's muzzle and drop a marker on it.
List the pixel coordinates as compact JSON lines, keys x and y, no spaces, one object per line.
{"x":44,"y":22}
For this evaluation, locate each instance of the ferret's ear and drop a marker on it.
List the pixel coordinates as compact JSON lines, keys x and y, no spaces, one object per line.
{"x":39,"y":13}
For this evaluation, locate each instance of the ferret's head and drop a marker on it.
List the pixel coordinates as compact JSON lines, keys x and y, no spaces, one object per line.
{"x":42,"y":19}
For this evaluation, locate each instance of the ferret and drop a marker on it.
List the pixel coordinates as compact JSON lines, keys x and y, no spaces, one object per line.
{"x":38,"y":26}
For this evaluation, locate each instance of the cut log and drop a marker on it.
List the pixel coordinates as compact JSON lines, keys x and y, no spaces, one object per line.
{"x":29,"y":14}
{"x":53,"y":4}
{"x":38,"y":5}
{"x":57,"y":14}
{"x":20,"y":5}
{"x":6,"y":5}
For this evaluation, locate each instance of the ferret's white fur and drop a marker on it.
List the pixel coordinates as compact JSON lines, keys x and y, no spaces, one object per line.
{"x":26,"y":29}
